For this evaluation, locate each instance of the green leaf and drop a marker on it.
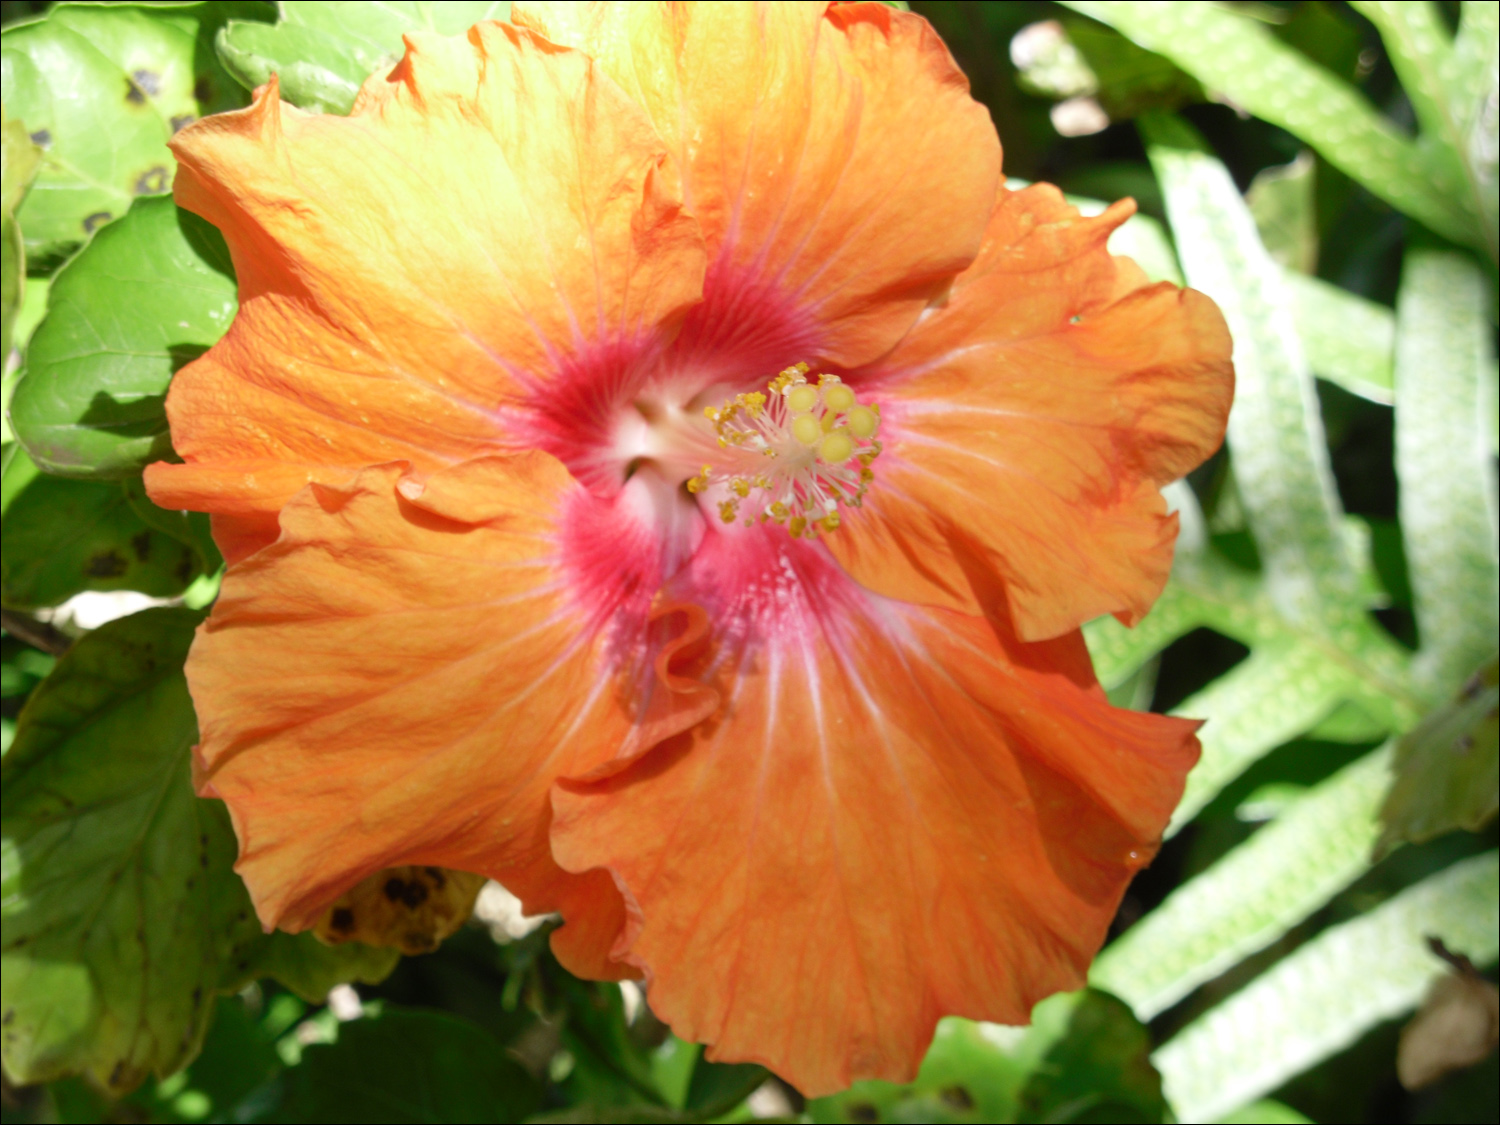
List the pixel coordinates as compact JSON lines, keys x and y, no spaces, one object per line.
{"x":149,"y":294}
{"x":1098,"y":1068}
{"x":1128,"y":80}
{"x":1325,"y":995}
{"x":1475,"y":87}
{"x":1281,"y":690}
{"x":101,"y":88}
{"x":19,"y":158}
{"x":1444,"y":465}
{"x":1252,"y":896}
{"x":1084,"y":1058}
{"x":1282,"y":202}
{"x":119,"y":903}
{"x":406,"y":1065}
{"x":305,"y":965}
{"x":322,"y":52}
{"x":1243,"y":61}
{"x":1423,"y":54}
{"x":1265,"y":1112}
{"x":716,"y":1088}
{"x":972,"y":1072}
{"x":1349,"y":340}
{"x":1448,"y":768}
{"x":1275,"y":430}
{"x":66,"y":536}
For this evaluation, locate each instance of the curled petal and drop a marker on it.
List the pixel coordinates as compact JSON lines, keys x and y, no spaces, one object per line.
{"x":901,"y":813}
{"x":832,"y":154}
{"x":493,"y":211}
{"x":1031,"y":420}
{"x":426,"y":664}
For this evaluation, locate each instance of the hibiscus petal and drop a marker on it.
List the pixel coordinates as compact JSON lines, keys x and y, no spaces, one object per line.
{"x":492,"y":212}
{"x":902,"y":813}
{"x":833,"y":156}
{"x":423,"y":661}
{"x":1030,"y":421}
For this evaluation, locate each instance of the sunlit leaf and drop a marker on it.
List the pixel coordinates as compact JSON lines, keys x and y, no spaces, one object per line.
{"x":1280,"y":691}
{"x":1275,"y":430}
{"x":405,"y":1065}
{"x":322,"y":51}
{"x":1330,"y":991}
{"x":101,"y":87}
{"x":66,"y":536}
{"x":1252,"y":896}
{"x":1098,"y":1067}
{"x":1444,"y":464}
{"x":1443,"y":98}
{"x":1448,"y":768}
{"x":1243,"y":61}
{"x":149,"y":294}
{"x":19,"y":158}
{"x":1348,"y":340}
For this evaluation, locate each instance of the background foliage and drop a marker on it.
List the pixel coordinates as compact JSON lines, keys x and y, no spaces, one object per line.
{"x":1325,"y":171}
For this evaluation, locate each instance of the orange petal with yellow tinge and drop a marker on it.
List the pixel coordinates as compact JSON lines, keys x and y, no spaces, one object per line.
{"x":900,"y":814}
{"x":400,"y":677}
{"x":493,"y":211}
{"x":833,"y":156}
{"x":1030,"y":421}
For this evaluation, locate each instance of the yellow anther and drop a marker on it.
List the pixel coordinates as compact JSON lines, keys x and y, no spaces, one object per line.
{"x":836,"y":448}
{"x":727,"y":510}
{"x":838,"y":397}
{"x":797,"y":526}
{"x":863,"y":422}
{"x":830,"y":522}
{"x":778,"y":511}
{"x":801,"y":398}
{"x":807,"y":429}
{"x":740,"y":487}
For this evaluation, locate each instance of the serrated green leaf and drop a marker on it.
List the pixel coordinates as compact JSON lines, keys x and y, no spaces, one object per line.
{"x":1280,"y":690}
{"x":66,"y":536}
{"x":1330,"y":991}
{"x":1423,"y":54}
{"x":1252,"y":896}
{"x":115,"y":921}
{"x":322,"y":51}
{"x":1448,"y":768}
{"x":407,"y":1065}
{"x":1241,"y":60}
{"x":101,"y":87}
{"x":19,"y":158}
{"x":1476,"y":88}
{"x":1275,"y":430}
{"x":1443,"y":462}
{"x":1348,"y":340}
{"x":151,"y":292}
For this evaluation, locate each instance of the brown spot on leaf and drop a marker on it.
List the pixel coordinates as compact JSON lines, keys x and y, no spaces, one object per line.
{"x":957,"y":1097}
{"x":141,"y":545}
{"x":148,"y":81}
{"x":93,"y":222}
{"x":106,"y":564}
{"x":342,"y":919}
{"x":183,"y":120}
{"x":203,"y":89}
{"x":862,"y":1112}
{"x":153,"y":181}
{"x":42,"y":138}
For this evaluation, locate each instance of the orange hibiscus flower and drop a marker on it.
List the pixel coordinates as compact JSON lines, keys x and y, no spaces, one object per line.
{"x":549,"y":562}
